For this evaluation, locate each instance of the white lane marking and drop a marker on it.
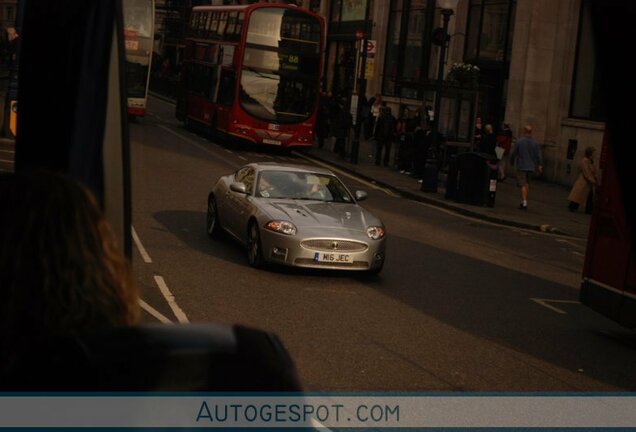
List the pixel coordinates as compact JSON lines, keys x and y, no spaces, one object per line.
{"x":228,"y":151}
{"x":241,"y":157}
{"x":351,"y":176}
{"x":560,"y":240}
{"x":7,"y":151}
{"x":178,"y":312}
{"x":140,"y":247}
{"x":267,"y":156}
{"x":577,"y":253}
{"x":200,"y":146}
{"x":5,"y":160}
{"x":154,"y":312}
{"x":543,"y":302}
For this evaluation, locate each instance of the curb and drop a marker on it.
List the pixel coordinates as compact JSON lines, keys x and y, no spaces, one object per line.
{"x":549,"y":229}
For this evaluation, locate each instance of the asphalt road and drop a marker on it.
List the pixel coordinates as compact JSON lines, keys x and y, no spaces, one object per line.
{"x":460,"y":304}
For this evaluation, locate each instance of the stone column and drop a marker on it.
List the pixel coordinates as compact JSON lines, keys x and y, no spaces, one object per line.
{"x":543,"y":53}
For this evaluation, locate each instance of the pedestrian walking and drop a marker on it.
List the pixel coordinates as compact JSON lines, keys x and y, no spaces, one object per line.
{"x":376,"y":108}
{"x":526,"y":155}
{"x":385,"y":131}
{"x":504,"y":142}
{"x":422,"y":138}
{"x":404,"y":137}
{"x":583,"y":188}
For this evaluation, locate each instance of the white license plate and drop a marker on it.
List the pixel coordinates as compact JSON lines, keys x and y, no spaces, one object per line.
{"x":271,"y":141}
{"x":333,"y":257}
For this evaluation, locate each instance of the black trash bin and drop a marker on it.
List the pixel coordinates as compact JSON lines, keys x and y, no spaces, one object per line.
{"x":476,"y":179}
{"x":451,"y":178}
{"x":431,"y":174}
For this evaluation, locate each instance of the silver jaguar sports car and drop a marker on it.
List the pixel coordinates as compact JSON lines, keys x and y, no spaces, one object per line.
{"x":296,"y":215}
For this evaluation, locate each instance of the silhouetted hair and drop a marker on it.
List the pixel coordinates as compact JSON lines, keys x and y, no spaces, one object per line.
{"x":61,"y":273}
{"x":589,"y":151}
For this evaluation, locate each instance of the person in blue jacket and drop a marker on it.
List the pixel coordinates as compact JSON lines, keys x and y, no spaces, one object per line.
{"x":526,"y":156}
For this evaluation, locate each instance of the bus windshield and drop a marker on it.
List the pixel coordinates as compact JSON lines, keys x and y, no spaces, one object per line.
{"x":136,"y":17}
{"x":281,"y":65}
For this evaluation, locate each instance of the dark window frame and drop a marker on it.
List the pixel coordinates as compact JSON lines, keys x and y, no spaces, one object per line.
{"x":481,"y":5}
{"x":600,"y":114}
{"x":400,"y":84}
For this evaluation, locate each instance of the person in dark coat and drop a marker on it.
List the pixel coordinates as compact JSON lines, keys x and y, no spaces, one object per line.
{"x":488,"y":141}
{"x":340,"y":126}
{"x":406,"y":128}
{"x":322,"y":121}
{"x":385,"y":131}
{"x":421,"y":144}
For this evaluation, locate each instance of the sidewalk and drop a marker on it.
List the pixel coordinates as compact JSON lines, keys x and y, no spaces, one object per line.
{"x":547,"y":203}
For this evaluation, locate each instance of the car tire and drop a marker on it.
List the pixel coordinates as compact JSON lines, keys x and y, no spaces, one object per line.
{"x":377,"y":270}
{"x":254,"y":247}
{"x":212,"y":224}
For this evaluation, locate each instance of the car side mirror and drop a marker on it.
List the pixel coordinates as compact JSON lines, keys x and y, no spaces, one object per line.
{"x":238,"y":187}
{"x":361,"y":195}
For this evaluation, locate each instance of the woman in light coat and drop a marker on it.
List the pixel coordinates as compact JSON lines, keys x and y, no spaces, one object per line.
{"x":583,"y":189}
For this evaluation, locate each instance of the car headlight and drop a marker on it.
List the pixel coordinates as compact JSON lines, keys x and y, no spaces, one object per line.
{"x":375,"y":232}
{"x":282,"y":227}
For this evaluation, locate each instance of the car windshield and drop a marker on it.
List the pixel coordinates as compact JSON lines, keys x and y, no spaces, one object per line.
{"x":301,"y":185}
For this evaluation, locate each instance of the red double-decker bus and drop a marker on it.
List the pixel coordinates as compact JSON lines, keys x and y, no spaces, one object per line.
{"x":609,"y":273}
{"x":253,"y":71}
{"x":139,"y":24}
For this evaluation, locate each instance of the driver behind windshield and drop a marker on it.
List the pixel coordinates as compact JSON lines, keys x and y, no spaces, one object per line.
{"x":316,"y":189}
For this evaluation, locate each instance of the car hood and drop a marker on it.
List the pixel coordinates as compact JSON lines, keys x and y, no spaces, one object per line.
{"x":311,"y":214}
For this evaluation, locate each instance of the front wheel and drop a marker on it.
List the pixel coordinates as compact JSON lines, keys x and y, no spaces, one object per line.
{"x":376,"y":270}
{"x":213,"y":227}
{"x":254,"y":247}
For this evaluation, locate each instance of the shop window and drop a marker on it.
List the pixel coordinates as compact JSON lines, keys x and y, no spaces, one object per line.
{"x":489,"y":34}
{"x":586,"y":101}
{"x":392,"y":48}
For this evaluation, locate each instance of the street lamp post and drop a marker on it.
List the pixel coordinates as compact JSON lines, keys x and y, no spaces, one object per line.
{"x":429,"y":180}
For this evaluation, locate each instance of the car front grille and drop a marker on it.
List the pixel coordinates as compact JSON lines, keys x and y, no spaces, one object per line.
{"x":308,"y":262}
{"x":327,"y":245}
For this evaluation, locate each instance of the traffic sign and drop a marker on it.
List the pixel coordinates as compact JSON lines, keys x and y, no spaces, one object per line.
{"x":370,"y":47}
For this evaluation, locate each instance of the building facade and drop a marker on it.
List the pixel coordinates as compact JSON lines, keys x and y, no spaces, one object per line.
{"x":8,"y":12}
{"x":536,"y":61}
